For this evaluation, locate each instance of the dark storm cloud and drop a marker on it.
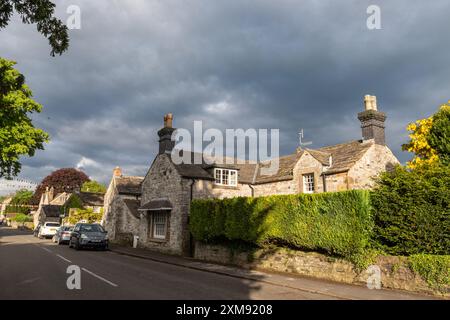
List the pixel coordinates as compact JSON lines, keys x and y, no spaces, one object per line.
{"x":262,"y":64}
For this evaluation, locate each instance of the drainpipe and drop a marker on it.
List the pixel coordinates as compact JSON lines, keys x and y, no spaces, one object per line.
{"x":191,"y":246}
{"x":324,"y":181}
{"x":253,"y":190}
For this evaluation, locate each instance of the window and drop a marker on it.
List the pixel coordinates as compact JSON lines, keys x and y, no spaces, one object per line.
{"x":159,"y":225}
{"x":225,"y":177}
{"x":308,"y":183}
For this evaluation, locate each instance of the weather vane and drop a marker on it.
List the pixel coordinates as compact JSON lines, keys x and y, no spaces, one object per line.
{"x":301,"y":137}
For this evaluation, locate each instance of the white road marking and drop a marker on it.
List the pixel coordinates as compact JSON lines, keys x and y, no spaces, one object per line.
{"x":98,"y":277}
{"x":67,"y":260}
{"x":48,"y":250}
{"x":29,"y":281}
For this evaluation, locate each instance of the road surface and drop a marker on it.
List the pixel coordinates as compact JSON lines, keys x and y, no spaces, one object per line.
{"x":37,"y":269}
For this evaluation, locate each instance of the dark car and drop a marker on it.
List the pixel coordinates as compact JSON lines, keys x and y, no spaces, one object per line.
{"x":88,"y":235}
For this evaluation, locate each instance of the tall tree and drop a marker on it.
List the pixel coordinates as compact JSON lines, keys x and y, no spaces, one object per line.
{"x":18,"y":136}
{"x":418,"y":143}
{"x":39,"y":12}
{"x":62,"y":180}
{"x":22,"y":197}
{"x":439,"y":135}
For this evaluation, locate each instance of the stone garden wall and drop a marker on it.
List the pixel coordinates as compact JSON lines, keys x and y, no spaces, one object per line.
{"x":395,"y":273}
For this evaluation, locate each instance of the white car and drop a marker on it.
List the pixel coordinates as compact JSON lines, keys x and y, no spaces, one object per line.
{"x":48,"y":230}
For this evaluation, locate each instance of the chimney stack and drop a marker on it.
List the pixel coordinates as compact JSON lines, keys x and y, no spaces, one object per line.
{"x":165,"y":135}
{"x":372,"y":121}
{"x":117,"y":172}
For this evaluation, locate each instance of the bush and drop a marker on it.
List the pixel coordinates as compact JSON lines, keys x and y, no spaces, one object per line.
{"x":17,"y":209}
{"x":336,"y":223}
{"x":88,"y":215}
{"x":434,"y":269}
{"x":22,"y":218}
{"x":411,"y":211}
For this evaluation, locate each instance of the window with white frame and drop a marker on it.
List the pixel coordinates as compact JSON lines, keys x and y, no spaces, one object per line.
{"x":308,"y":183}
{"x":225,"y":177}
{"x":159,"y":224}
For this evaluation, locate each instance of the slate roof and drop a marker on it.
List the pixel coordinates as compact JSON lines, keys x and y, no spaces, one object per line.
{"x":133,"y":206}
{"x":342,"y":157}
{"x":92,"y":199}
{"x":51,"y":211}
{"x":129,"y":185}
{"x":345,"y":155}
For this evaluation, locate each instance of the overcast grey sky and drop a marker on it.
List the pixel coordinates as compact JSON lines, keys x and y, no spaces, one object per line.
{"x":232,"y":64}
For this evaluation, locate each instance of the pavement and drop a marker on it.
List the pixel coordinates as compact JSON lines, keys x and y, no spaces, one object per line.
{"x":31,"y":268}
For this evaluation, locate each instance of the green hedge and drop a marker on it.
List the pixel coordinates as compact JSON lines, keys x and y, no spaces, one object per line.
{"x":412,"y":212}
{"x":22,"y":218}
{"x":434,"y":269}
{"x":17,"y":209}
{"x":338,"y":223}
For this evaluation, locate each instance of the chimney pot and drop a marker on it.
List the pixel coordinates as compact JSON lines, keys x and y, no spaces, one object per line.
{"x":168,"y":119}
{"x":117,"y":172}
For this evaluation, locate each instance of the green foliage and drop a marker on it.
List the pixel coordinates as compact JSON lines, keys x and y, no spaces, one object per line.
{"x":17,"y":209}
{"x":93,"y":186}
{"x":18,"y":136}
{"x":22,"y":197}
{"x":62,"y":180}
{"x":74,"y":202}
{"x":439,"y":135}
{"x":39,"y":13}
{"x":22,"y":218}
{"x":88,"y":215}
{"x":434,"y":269}
{"x":337,"y":223}
{"x":411,"y":211}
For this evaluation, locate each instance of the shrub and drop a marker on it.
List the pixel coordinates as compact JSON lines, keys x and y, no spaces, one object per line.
{"x":411,"y":211}
{"x":337,"y":223}
{"x":88,"y":215}
{"x":17,"y":209}
{"x":74,"y":202}
{"x":434,"y":269}
{"x":22,"y":218}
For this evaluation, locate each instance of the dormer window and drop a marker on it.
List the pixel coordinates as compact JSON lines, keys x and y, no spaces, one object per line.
{"x":225,"y":177}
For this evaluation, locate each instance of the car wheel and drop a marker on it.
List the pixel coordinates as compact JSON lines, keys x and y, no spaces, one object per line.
{"x":70,"y":243}
{"x":77,"y":246}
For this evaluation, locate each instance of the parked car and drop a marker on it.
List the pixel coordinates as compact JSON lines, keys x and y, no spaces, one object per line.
{"x":48,"y":230}
{"x":36,"y":230}
{"x":88,"y":235}
{"x":62,"y":235}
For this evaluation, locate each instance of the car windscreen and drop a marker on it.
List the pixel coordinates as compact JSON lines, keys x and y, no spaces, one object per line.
{"x":52,"y":224}
{"x":91,"y":228}
{"x":67,"y":228}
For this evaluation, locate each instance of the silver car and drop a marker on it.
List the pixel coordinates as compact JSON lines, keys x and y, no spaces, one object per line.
{"x":63,"y":235}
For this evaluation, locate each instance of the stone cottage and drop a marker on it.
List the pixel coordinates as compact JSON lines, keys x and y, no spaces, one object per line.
{"x":121,"y":203}
{"x":52,"y":206}
{"x":168,"y":188}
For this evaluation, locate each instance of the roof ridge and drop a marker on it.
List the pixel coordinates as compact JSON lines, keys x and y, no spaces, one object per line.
{"x":340,"y":144}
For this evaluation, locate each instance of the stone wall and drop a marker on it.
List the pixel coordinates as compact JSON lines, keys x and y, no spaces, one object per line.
{"x":377,"y":159}
{"x":163,"y":181}
{"x":124,"y":222}
{"x":395,"y":273}
{"x":204,"y":189}
{"x":108,"y":214}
